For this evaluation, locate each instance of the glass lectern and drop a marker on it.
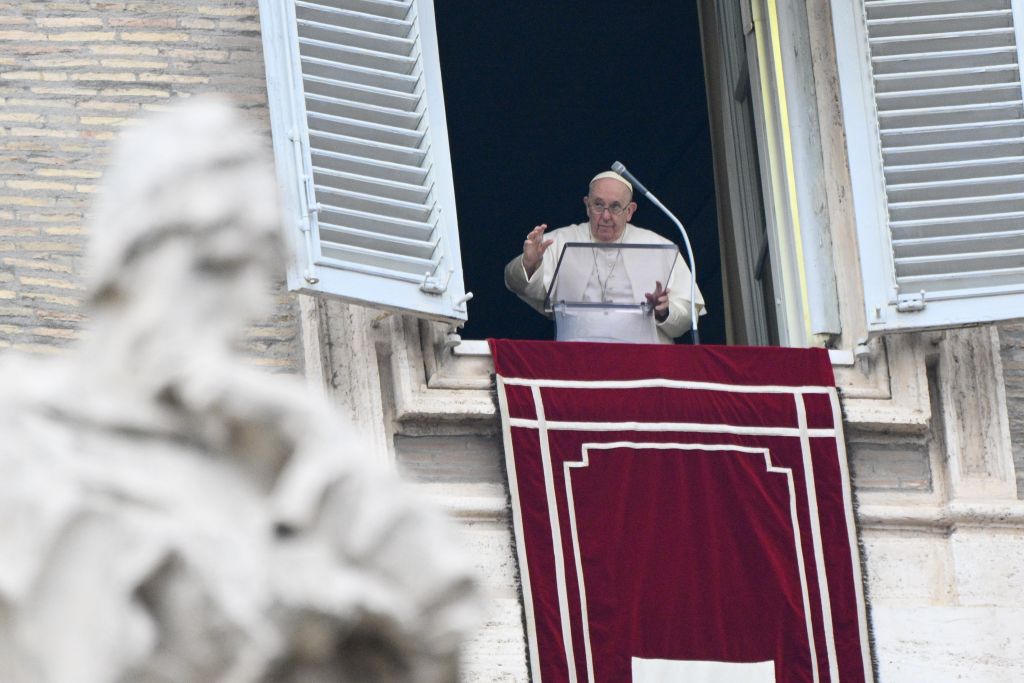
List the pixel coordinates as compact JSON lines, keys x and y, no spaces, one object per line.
{"x":597,"y":292}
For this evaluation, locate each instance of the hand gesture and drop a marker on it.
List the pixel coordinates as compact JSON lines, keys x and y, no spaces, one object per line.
{"x":534,"y":248}
{"x":658,"y":300}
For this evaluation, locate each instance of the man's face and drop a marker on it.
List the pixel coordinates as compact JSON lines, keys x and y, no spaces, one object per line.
{"x":608,"y":195}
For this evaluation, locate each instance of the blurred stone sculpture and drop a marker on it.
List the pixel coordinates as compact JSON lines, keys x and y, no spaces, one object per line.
{"x":170,"y":514}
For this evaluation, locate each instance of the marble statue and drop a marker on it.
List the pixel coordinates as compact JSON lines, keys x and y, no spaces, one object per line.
{"x":168,"y":513}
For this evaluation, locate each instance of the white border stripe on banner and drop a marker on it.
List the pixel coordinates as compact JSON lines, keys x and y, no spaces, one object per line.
{"x":819,"y":551}
{"x":558,"y":425}
{"x":666,"y":383}
{"x":580,"y":583}
{"x":858,"y":580}
{"x":556,"y":536}
{"x":517,"y":527}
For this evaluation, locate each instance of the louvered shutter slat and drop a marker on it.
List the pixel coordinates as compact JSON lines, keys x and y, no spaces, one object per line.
{"x":379,"y":206}
{"x":376,"y":240}
{"x":930,"y":135}
{"x":976,"y":283}
{"x":369,"y":59}
{"x":388,"y":9}
{"x":961,"y":187}
{"x":940,"y":42}
{"x":966,"y":262}
{"x":945,"y":59}
{"x":957,"y":225}
{"x":940,"y":26}
{"x":934,"y":98}
{"x":959,"y":206}
{"x":332,"y":106}
{"x":340,"y":33}
{"x":377,"y":79}
{"x":350,"y":182}
{"x":378,"y":151}
{"x":362,"y":94}
{"x":376,"y":222}
{"x":944,"y":78}
{"x":343,"y":163}
{"x":900,"y":175}
{"x":953,"y":152}
{"x":378,"y":177}
{"x":366,"y":20}
{"x":956,"y":244}
{"x":949,"y":115}
{"x":897,"y":9}
{"x":355,"y":128}
{"x":382,"y":263}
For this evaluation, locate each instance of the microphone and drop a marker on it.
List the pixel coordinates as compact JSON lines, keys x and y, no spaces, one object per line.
{"x":619,"y":168}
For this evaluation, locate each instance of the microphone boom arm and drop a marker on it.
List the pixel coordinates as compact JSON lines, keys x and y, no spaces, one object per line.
{"x":619,"y":168}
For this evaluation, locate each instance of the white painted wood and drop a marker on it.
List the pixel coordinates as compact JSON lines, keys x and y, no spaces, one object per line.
{"x":935,"y":129}
{"x":357,"y":113}
{"x":812,"y":220}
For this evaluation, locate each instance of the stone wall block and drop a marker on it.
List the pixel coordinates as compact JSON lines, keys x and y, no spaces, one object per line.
{"x":974,"y":414}
{"x":917,"y":569}
{"x":989,"y":566}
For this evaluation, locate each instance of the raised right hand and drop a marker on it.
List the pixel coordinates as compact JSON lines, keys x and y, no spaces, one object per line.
{"x":534,"y":247}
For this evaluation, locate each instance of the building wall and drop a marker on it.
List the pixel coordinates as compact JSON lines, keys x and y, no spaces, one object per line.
{"x":943,"y":534}
{"x":71,"y":74}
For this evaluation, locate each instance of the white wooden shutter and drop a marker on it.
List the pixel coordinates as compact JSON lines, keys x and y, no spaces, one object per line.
{"x":932,"y":104}
{"x":361,"y":145}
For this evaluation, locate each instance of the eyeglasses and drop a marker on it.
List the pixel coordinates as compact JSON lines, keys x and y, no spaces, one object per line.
{"x":601,"y":207}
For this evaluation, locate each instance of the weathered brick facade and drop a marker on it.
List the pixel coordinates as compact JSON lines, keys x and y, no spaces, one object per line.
{"x":71,"y":74}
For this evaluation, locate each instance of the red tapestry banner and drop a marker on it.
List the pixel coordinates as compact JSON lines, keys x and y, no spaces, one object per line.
{"x":682,"y":513}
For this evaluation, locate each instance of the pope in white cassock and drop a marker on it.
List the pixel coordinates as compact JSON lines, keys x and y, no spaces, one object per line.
{"x":610,"y":206}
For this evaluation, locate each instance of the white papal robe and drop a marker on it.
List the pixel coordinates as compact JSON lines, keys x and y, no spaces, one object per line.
{"x":533,"y":289}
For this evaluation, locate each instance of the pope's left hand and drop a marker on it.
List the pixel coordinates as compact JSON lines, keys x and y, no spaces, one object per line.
{"x":658,"y":300}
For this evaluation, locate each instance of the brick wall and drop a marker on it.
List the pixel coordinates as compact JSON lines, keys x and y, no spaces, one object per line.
{"x":71,"y":74}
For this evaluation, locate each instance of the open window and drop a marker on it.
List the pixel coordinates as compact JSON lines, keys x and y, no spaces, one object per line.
{"x":361,"y":141}
{"x":361,"y":148}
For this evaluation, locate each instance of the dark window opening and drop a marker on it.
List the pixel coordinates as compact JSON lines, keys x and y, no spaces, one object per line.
{"x":542,"y":96}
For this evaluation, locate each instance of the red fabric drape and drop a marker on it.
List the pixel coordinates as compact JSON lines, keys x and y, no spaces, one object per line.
{"x":681,"y":503}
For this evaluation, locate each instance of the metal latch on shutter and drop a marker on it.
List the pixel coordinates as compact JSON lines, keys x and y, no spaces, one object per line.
{"x":311,"y":208}
{"x":432,"y":285}
{"x":910,"y":303}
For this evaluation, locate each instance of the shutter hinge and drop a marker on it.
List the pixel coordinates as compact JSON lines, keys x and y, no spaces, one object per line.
{"x":309,"y":215}
{"x":431,"y":285}
{"x":910,"y":303}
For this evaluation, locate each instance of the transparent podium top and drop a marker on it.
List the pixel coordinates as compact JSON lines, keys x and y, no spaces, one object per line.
{"x":609,"y":275}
